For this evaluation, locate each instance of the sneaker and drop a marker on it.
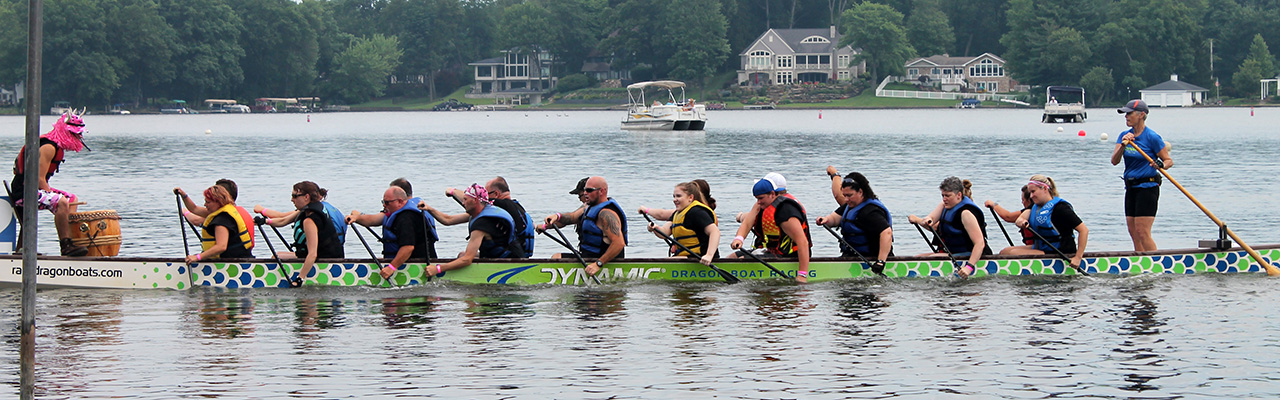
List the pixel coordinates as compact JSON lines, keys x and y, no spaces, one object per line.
{"x":69,"y":249}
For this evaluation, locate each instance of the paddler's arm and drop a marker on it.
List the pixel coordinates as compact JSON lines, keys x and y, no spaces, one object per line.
{"x":974,"y":230}
{"x":269,"y":213}
{"x":1117,"y":155}
{"x":713,"y":243}
{"x":46,"y":162}
{"x":313,"y":246}
{"x":836,"y":182}
{"x":444,"y":219}
{"x":282,"y":220}
{"x":611,"y":225}
{"x":198,"y":210}
{"x":886,"y":244}
{"x":660,"y":214}
{"x":831,"y":220}
{"x":1165,"y":157}
{"x":561,"y":220}
{"x":1083,"y":240}
{"x":795,"y":231}
{"x":467,"y":256}
{"x":1006,"y":215}
{"x":220,"y":239}
{"x":746,"y":221}
{"x":364,"y":219}
{"x":402,"y":255}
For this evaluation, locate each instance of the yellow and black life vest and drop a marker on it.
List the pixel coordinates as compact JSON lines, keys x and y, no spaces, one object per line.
{"x":239,"y":238}
{"x":686,"y":236}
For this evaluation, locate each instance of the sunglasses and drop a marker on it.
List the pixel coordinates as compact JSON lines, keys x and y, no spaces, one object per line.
{"x":589,"y":190}
{"x":297,"y":195}
{"x":387,"y":202}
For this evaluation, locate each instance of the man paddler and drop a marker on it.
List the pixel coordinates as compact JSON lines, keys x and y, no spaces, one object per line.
{"x":779,"y":223}
{"x":500,"y":194}
{"x":491,"y":230}
{"x":405,"y":232}
{"x":603,"y":230}
{"x":67,"y":134}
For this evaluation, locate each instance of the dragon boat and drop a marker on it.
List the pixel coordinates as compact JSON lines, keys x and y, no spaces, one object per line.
{"x":174,"y":274}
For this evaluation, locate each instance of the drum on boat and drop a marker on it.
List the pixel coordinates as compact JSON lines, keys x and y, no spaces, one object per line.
{"x":98,"y":230}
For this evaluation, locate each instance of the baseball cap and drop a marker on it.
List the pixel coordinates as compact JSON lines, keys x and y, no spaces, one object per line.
{"x":1134,"y":105}
{"x":763,"y":186}
{"x":582,"y":184}
{"x":779,"y":183}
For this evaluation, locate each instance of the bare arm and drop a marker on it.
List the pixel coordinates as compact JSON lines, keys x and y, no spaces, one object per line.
{"x":1006,"y":215}
{"x":748,"y":221}
{"x":220,"y":238}
{"x":660,"y":214}
{"x":886,"y":244}
{"x":1080,"y":243}
{"x":831,"y":220}
{"x":467,"y":256}
{"x":186,"y":202}
{"x":313,"y":245}
{"x":444,"y":219}
{"x":836,"y":182}
{"x":974,"y":230}
{"x":1117,"y":155}
{"x":795,"y":231}
{"x":611,"y":225}
{"x":561,"y":220}
{"x":1165,"y":157}
{"x":713,"y":243}
{"x":364,"y":219}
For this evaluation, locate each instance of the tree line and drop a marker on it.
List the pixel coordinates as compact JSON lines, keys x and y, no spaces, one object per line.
{"x":100,"y":52}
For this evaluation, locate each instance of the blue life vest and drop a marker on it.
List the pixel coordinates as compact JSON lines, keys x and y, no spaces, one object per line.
{"x":389,"y":245}
{"x":1042,"y":222}
{"x":339,"y":221}
{"x":525,"y":236}
{"x":591,"y":237}
{"x":953,"y":233}
{"x":329,"y":244}
{"x":497,"y":246}
{"x":854,"y":235}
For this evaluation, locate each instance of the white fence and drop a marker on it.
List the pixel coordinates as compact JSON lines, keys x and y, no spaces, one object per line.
{"x":912,"y":94}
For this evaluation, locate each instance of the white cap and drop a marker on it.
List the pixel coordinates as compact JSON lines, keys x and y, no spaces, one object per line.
{"x":779,"y":183}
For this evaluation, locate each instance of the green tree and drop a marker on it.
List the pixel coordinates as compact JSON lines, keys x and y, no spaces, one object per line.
{"x":361,"y":71}
{"x":78,"y":65}
{"x":877,"y":30}
{"x":1257,"y":66}
{"x":207,"y":54}
{"x":694,"y":60}
{"x":149,"y":51}
{"x":1098,"y":82}
{"x":430,"y":33}
{"x":929,"y":30}
{"x":280,"y":47}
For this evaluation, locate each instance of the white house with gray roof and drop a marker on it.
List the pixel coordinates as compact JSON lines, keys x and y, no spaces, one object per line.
{"x":786,"y":56}
{"x":984,"y":73}
{"x":1173,"y":93}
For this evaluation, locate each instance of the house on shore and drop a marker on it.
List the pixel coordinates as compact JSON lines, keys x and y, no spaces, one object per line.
{"x":521,"y":76}
{"x":787,"y":56}
{"x":1173,"y":93}
{"x":984,"y":73}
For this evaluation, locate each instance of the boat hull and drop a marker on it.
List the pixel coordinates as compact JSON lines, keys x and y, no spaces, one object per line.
{"x":172,"y":273}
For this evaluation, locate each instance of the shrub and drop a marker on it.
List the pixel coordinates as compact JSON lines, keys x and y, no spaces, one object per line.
{"x":573,"y":82}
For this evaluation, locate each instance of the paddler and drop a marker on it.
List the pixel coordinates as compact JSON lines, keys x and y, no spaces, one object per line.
{"x":315,"y":233}
{"x":405,"y":232}
{"x":1054,"y":219}
{"x":195,"y":214}
{"x":1012,"y":216}
{"x":960,"y":225}
{"x":779,"y":223}
{"x":67,"y":134}
{"x":500,"y":195}
{"x":693,"y":221}
{"x":491,"y":230}
{"x":864,"y":221}
{"x":603,"y":231}
{"x":225,"y":234}
{"x":1141,"y":177}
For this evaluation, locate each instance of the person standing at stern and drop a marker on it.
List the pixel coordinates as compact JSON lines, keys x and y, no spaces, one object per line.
{"x":1141,"y":179}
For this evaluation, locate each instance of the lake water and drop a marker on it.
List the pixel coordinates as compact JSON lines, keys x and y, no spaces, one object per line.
{"x":1007,"y":337}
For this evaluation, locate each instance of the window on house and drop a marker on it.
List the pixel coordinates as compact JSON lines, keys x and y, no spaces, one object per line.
{"x":913,"y":72}
{"x":759,"y":59}
{"x":842,"y":75}
{"x":843,"y":61}
{"x":785,"y":77}
{"x":785,"y":61}
{"x":484,"y":72}
{"x":824,"y":59}
{"x":813,"y":59}
{"x":815,"y":39}
{"x":936,"y":71}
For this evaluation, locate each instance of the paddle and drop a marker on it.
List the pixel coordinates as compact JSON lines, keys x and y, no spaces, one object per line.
{"x":286,"y":242}
{"x":1271,"y":269}
{"x":723,"y":274}
{"x":377,"y":265}
{"x":566,"y":245}
{"x":294,"y":281}
{"x":942,"y":243}
{"x":1060,"y":254}
{"x":926,"y":239}
{"x":186,"y":248}
{"x":997,"y":218}
{"x":855,"y":251}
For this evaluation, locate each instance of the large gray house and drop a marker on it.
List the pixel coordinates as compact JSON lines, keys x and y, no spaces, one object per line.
{"x":516,"y":74}
{"x":786,"y":56}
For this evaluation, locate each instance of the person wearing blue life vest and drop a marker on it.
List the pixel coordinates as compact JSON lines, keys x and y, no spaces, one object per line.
{"x":282,"y":218}
{"x":602,"y":232}
{"x":315,"y":232}
{"x":865,"y":222}
{"x":1011,"y":216}
{"x":693,"y":221}
{"x":406,"y":231}
{"x":500,"y":194}
{"x":1054,"y":219}
{"x":1141,"y":177}
{"x":960,"y":224}
{"x":490,"y":230}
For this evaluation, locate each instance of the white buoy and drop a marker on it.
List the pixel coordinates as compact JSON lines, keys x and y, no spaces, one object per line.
{"x":1103,"y":136}
{"x":1059,"y":129}
{"x":208,"y":131}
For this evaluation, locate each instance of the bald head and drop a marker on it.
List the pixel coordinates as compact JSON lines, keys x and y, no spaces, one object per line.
{"x":597,"y":182}
{"x":395,"y":193}
{"x":596,"y":190}
{"x":497,"y":188}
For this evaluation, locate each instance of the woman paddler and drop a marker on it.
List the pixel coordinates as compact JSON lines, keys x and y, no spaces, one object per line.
{"x":1011,"y":216}
{"x":1141,"y":177}
{"x":960,"y":224}
{"x":864,"y":221}
{"x":1054,"y":219}
{"x":225,"y":233}
{"x":315,"y":235}
{"x":693,"y":221}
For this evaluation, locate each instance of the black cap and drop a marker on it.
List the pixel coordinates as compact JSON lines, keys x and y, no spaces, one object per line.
{"x":582,"y":185}
{"x":1134,"y":105}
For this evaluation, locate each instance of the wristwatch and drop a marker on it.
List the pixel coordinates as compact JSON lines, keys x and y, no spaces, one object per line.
{"x":599,"y":264}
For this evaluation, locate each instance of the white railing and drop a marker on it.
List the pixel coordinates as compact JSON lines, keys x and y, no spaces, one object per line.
{"x":813,"y":66}
{"x":912,"y":94}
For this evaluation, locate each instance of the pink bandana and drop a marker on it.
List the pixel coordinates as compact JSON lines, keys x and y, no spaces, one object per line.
{"x":1040,"y":184}
{"x":479,"y":193}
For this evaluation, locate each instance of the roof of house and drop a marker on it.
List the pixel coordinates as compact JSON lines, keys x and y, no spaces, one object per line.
{"x":944,"y":60}
{"x":489,"y":61}
{"x":1177,"y":85}
{"x":792,"y":38}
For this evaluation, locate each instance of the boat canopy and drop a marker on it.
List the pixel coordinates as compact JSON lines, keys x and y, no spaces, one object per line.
{"x":219,"y":101}
{"x":662,"y":84}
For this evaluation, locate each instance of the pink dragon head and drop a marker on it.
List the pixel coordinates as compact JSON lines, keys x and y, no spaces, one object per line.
{"x":68,"y":132}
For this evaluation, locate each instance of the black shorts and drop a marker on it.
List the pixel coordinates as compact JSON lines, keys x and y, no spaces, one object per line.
{"x":1141,"y":202}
